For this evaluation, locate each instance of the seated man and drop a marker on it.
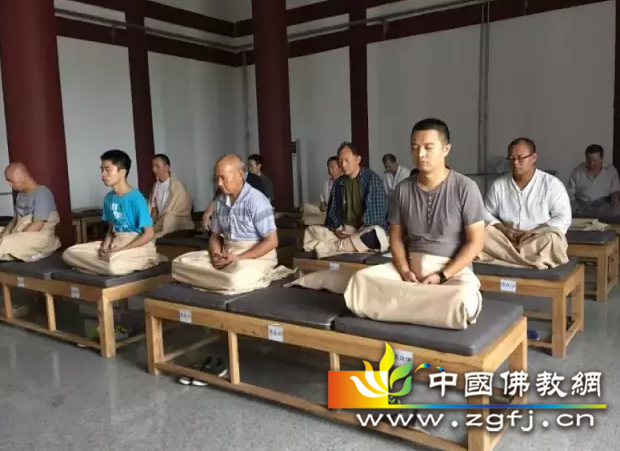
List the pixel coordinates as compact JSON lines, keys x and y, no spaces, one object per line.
{"x":439,"y":214}
{"x":169,"y":202}
{"x":313,"y":214}
{"x":528,"y":213}
{"x":394,"y":173}
{"x":30,"y":235}
{"x":255,"y":166}
{"x":356,"y":213}
{"x":243,"y":239}
{"x":594,"y":187}
{"x":129,"y":244}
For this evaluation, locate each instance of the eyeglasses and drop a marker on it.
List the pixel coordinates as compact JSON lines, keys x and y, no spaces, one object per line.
{"x":519,"y":159}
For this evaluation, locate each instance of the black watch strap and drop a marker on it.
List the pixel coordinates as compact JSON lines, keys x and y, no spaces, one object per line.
{"x":442,"y":277}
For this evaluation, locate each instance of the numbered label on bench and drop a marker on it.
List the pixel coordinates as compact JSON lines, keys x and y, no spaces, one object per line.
{"x":275,"y":332}
{"x":21,"y":283}
{"x":402,"y":357}
{"x":508,"y":285}
{"x":334,"y":266}
{"x":75,"y":292}
{"x":185,"y":316}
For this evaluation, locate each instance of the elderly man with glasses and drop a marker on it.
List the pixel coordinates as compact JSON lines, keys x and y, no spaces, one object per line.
{"x":528,"y":213}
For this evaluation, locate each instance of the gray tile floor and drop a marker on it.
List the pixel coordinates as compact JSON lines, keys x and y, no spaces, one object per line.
{"x":56,"y":396}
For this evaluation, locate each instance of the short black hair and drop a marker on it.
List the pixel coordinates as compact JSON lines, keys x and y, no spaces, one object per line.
{"x":332,"y":158}
{"x":256,"y":158}
{"x":432,"y":123}
{"x":522,"y":140}
{"x":595,"y":148}
{"x":388,"y":157}
{"x":163,"y":157}
{"x":118,"y":158}
{"x":349,"y":145}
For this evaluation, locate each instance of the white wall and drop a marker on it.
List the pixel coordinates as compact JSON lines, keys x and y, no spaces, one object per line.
{"x":433,"y":75}
{"x":197,"y":117}
{"x":320,"y":112}
{"x":552,"y":79}
{"x":96,"y":99}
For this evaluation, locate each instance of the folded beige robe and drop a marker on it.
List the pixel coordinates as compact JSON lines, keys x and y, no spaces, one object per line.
{"x":30,"y":246}
{"x":177,"y":214}
{"x":195,"y":268}
{"x":379,"y":293}
{"x":85,"y":257}
{"x":326,"y":243}
{"x":312,"y":215}
{"x":588,"y":224}
{"x":545,"y":248}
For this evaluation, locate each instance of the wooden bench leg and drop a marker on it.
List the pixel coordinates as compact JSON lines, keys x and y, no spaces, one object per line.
{"x":578,"y":303}
{"x":602,"y":277}
{"x":558,"y":325}
{"x":334,"y":361}
{"x":51,"y":313}
{"x":478,"y":438}
{"x":233,"y":358}
{"x":8,"y":304}
{"x":154,"y":342}
{"x":107,"y":339}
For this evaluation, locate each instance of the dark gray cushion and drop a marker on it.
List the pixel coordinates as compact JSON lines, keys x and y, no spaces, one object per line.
{"x":590,"y":236}
{"x":78,"y":214}
{"x":306,"y":255}
{"x":558,"y":273}
{"x":186,"y":294}
{"x":287,"y":241}
{"x":41,"y":269}
{"x":377,"y":259}
{"x":355,"y":257}
{"x":292,"y":305}
{"x":495,"y":318}
{"x":198,"y":243}
{"x":287,"y":222}
{"x":70,"y":275}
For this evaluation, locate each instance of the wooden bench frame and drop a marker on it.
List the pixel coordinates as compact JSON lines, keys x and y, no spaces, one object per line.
{"x":605,"y":258}
{"x":511,"y":347}
{"x":311,"y":265}
{"x":103,"y":297}
{"x":558,"y":291}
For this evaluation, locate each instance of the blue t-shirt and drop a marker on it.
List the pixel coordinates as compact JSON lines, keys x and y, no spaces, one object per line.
{"x":128,"y":212}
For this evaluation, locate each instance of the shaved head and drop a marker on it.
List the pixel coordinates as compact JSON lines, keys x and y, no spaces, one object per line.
{"x":18,"y":177}
{"x":229,"y":175}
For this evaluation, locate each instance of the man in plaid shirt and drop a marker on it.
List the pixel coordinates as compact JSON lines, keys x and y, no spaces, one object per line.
{"x":356,"y":212}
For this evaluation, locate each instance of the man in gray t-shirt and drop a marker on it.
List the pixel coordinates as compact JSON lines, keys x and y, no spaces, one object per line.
{"x":439,"y":213}
{"x":30,"y":234}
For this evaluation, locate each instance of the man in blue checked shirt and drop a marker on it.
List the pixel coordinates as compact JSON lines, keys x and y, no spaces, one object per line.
{"x":242,"y":241}
{"x":356,"y":212}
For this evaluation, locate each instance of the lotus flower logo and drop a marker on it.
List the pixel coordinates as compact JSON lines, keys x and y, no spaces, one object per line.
{"x":373,"y":388}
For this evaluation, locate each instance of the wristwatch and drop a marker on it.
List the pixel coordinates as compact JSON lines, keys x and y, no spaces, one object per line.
{"x":442,"y":277}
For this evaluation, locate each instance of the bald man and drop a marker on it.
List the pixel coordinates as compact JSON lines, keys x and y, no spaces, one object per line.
{"x":30,"y":235}
{"x":242,"y":241}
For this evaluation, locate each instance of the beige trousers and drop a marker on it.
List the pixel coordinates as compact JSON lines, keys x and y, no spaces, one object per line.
{"x":85,"y":257}
{"x":30,"y":246}
{"x":326,"y":243}
{"x":379,"y":293}
{"x":195,"y":268}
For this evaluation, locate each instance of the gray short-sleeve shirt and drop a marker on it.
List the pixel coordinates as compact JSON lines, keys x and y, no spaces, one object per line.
{"x":435,"y":221}
{"x":38,"y":203}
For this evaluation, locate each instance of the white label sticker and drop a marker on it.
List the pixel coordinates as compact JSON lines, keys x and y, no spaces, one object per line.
{"x":508,"y":285}
{"x":334,"y":266}
{"x":402,"y":357}
{"x":75,"y":292}
{"x":275,"y":332}
{"x":20,"y":282}
{"x":185,"y":316}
